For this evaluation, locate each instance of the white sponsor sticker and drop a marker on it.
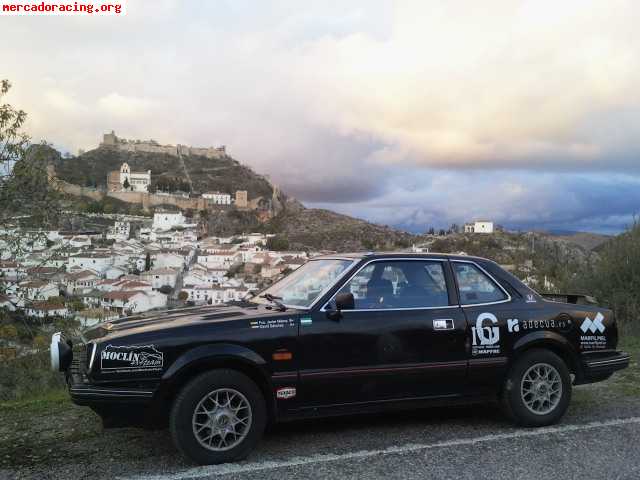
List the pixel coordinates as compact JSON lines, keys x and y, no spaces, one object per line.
{"x":595,"y":327}
{"x":486,"y":337}
{"x":131,"y":358}
{"x":285,"y":393}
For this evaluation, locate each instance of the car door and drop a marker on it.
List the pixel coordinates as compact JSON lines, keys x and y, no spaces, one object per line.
{"x":404,"y":338}
{"x":491,"y":312}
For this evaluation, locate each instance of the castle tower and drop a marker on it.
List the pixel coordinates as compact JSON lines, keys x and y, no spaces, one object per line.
{"x":241,"y":199}
{"x":109,"y":139}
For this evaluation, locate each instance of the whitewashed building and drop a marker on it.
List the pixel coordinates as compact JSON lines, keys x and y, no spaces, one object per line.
{"x":120,"y":231}
{"x":168,"y":260}
{"x":480,"y":226}
{"x":12,"y":271}
{"x":138,"y":181}
{"x":113,"y":272}
{"x":38,"y":290}
{"x":167,"y":220}
{"x":76,"y":283}
{"x":46,"y":310}
{"x":6,"y":303}
{"x":133,"y":301}
{"x":159,"y":277}
{"x":483,"y":226}
{"x":98,"y":262}
{"x":218,"y":198}
{"x":220,"y":259}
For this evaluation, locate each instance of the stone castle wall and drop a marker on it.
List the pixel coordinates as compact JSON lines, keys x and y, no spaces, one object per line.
{"x":111,"y":140}
{"x":146,"y":200}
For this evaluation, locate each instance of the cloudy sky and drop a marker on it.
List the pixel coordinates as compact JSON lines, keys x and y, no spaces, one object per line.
{"x":411,"y":114}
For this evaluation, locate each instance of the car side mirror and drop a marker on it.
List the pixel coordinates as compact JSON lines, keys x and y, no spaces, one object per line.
{"x":343,"y":301}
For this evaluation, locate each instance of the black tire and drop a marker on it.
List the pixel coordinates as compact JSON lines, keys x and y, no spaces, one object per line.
{"x":185,"y":404}
{"x":512,"y":399}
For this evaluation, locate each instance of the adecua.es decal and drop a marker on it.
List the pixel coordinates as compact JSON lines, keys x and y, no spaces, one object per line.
{"x":515,"y":325}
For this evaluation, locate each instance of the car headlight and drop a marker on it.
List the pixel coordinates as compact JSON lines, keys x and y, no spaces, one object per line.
{"x":61,"y":352}
{"x":92,"y":357}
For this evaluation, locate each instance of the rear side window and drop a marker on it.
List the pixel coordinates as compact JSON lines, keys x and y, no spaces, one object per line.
{"x":476,"y":286}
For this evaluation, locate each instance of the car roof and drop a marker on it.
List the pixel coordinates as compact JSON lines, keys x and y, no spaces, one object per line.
{"x":397,"y":255}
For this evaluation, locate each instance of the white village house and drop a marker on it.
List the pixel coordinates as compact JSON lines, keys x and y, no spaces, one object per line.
{"x":46,"y":309}
{"x":133,"y":301}
{"x":480,"y":226}
{"x":159,"y":277}
{"x":79,"y":282}
{"x":38,"y":290}
{"x":98,"y":262}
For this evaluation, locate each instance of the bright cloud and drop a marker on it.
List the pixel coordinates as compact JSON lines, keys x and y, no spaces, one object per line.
{"x":373,"y":107}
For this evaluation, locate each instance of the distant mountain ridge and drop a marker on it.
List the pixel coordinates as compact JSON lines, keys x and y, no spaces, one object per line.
{"x":275,"y":213}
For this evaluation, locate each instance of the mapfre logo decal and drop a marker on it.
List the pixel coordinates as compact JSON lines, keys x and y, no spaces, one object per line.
{"x":486,"y":335}
{"x":131,"y":358}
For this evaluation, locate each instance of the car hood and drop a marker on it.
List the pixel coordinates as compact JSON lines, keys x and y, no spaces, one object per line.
{"x":172,"y":319}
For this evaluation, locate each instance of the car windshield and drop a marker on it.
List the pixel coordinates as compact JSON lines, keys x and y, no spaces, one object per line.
{"x":303,"y":286}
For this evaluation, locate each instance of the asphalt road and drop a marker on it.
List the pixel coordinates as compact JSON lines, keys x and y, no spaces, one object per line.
{"x":599,"y":438}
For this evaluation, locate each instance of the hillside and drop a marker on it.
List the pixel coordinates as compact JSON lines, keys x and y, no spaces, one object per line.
{"x":589,"y":241}
{"x":327,"y":230}
{"x":312,"y":229}
{"x":205,"y":174}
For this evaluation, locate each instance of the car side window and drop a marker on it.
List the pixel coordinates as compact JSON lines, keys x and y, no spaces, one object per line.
{"x":398,"y":284}
{"x":476,"y":286}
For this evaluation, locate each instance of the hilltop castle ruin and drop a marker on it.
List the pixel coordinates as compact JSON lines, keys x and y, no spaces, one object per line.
{"x":111,"y":140}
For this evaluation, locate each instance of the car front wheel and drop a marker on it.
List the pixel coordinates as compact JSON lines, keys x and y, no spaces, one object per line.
{"x":537,"y":390}
{"x":218,"y":417}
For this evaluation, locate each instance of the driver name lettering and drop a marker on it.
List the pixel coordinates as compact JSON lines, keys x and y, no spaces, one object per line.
{"x":273,"y":323}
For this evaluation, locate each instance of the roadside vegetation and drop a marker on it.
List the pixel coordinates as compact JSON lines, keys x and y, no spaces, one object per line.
{"x":614,"y":279}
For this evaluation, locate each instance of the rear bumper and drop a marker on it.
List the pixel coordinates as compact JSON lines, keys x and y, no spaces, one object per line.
{"x":599,"y":366}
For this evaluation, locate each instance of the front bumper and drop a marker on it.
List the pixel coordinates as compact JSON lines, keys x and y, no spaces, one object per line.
{"x":76,"y":362}
{"x":599,"y":366}
{"x":84,"y":394}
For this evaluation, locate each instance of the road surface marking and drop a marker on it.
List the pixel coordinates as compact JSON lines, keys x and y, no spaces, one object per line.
{"x":231,"y":468}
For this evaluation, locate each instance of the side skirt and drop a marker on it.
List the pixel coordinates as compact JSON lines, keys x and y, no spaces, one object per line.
{"x":391,"y":405}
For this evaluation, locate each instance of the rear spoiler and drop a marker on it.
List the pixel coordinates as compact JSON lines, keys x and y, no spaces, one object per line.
{"x":577,"y":299}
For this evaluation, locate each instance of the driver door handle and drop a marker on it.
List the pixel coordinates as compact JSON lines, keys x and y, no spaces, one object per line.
{"x":443,"y":324}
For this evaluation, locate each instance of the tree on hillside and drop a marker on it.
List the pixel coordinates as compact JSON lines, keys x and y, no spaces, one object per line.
{"x":147,"y":262}
{"x":614,"y":278}
{"x":28,"y":196}
{"x":277,"y":243}
{"x":126,"y":185}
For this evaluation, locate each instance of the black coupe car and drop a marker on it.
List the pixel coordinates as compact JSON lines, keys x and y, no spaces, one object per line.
{"x":342,"y":334}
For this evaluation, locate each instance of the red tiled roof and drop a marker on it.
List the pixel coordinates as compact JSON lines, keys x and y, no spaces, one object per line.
{"x":46,"y":306}
{"x":125,"y":295}
{"x":34,"y":284}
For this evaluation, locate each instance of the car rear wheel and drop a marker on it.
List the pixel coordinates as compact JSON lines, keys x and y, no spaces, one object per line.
{"x":537,"y":390}
{"x":218,"y":417}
